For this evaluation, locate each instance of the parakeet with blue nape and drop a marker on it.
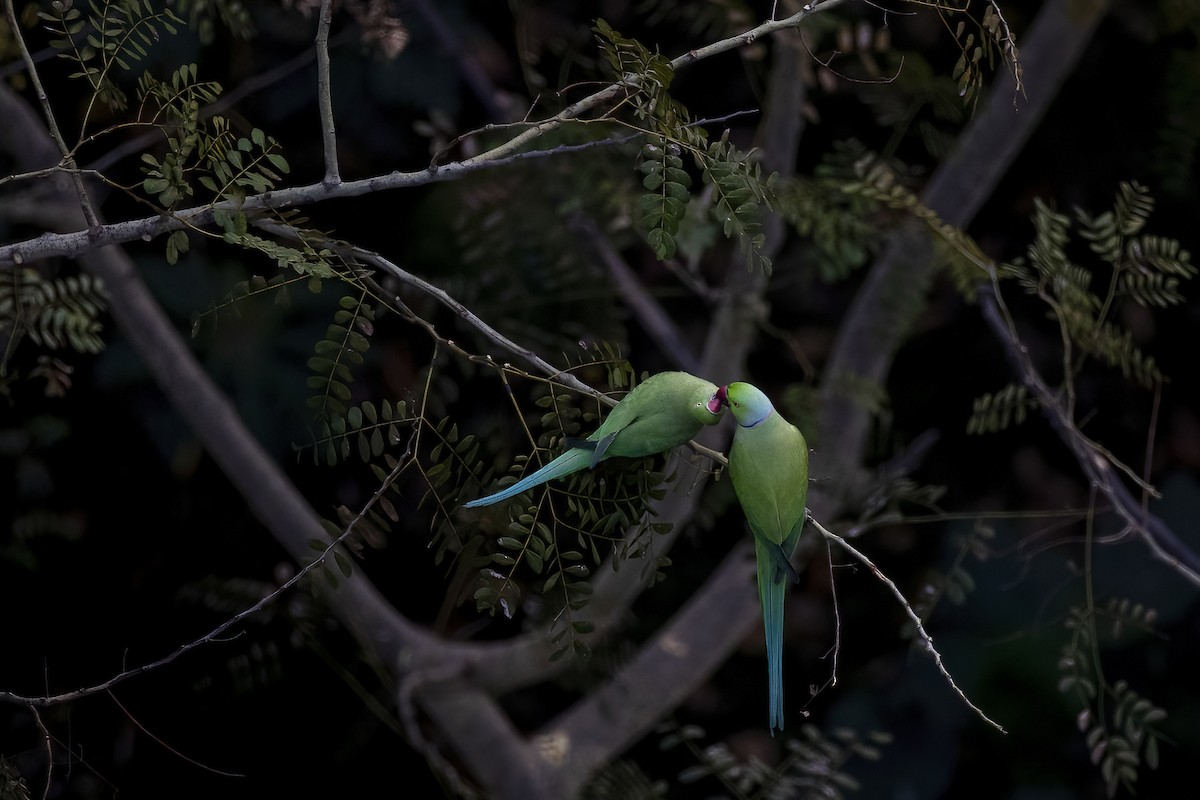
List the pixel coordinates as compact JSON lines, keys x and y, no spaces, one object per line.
{"x":768,"y":464}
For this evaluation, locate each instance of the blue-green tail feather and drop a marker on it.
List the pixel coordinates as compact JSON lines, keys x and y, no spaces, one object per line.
{"x":772,"y":588}
{"x":573,"y":460}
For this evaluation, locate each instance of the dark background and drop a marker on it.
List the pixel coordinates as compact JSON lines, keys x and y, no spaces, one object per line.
{"x":120,"y":540}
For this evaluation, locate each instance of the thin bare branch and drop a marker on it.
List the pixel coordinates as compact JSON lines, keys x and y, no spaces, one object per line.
{"x":333,"y":175}
{"x":912,"y":616}
{"x":72,"y":245}
{"x":85,"y":204}
{"x":1162,"y":541}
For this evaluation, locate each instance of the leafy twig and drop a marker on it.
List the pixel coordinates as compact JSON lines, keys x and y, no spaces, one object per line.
{"x":85,"y":204}
{"x":1161,"y":540}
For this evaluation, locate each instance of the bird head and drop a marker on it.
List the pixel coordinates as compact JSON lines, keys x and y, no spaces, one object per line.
{"x":716,"y":404}
{"x":707,"y":408}
{"x":747,"y":402}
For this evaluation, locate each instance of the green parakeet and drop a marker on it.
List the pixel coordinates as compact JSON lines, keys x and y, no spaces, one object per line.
{"x":768,"y":464}
{"x":661,"y":412}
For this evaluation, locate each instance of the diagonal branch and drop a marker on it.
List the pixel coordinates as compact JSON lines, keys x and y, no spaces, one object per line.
{"x":74,"y":244}
{"x":868,"y":339}
{"x":652,"y":317}
{"x":708,"y":627}
{"x":699,"y":638}
{"x":85,"y":204}
{"x":270,"y":495}
{"x":913,"y":617}
{"x":1162,"y":541}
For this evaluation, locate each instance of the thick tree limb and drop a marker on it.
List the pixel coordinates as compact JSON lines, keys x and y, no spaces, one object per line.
{"x":699,"y":638}
{"x":713,"y":621}
{"x":461,"y":707}
{"x":270,"y":495}
{"x":872,"y":332}
{"x":653,"y":318}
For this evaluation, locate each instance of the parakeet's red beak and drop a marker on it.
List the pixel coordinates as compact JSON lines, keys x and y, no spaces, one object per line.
{"x":721,"y":398}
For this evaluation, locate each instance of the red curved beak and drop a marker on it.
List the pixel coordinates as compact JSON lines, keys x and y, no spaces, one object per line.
{"x":721,"y":398}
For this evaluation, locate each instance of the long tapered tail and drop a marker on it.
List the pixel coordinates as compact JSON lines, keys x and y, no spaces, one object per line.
{"x":772,"y":588}
{"x":573,"y":460}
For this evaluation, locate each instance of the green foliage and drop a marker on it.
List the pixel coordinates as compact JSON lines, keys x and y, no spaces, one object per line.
{"x":201,"y":150}
{"x":198,"y":147}
{"x":278,"y":285}
{"x":554,"y":550}
{"x":260,"y":662}
{"x":1118,"y":725}
{"x":225,"y":164}
{"x":990,"y":39}
{"x":365,"y":430}
{"x":511,"y":241}
{"x":368,"y":527}
{"x":1142,"y":267}
{"x":647,"y":77}
{"x":1148,"y":268}
{"x":740,"y":190}
{"x":368,"y":430}
{"x":38,"y":523}
{"x":54,"y":313}
{"x":993,"y":413}
{"x":662,"y":207}
{"x":346,"y":340}
{"x":812,"y":767}
{"x":232,"y":13}
{"x":955,"y":583}
{"x":253,"y":163}
{"x":176,"y":102}
{"x":12,"y":785}
{"x":840,"y":224}
{"x":548,"y":546}
{"x":882,"y":182}
{"x":451,"y":456}
{"x":740,"y":193}
{"x":175,"y":107}
{"x":115,"y":34}
{"x":305,"y":259}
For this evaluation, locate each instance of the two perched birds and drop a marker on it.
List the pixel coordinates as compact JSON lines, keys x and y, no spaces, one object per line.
{"x":768,"y":464}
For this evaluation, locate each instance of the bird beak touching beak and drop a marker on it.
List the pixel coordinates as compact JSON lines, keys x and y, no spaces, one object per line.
{"x":718,"y":400}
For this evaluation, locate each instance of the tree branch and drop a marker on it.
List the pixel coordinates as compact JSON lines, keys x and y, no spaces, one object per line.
{"x":333,"y":175}
{"x":714,"y":619}
{"x":1162,"y":541}
{"x":74,"y":244}
{"x":699,"y":638}
{"x":913,"y":617}
{"x":872,"y":332}
{"x":273,"y":499}
{"x":658,"y":325}
{"x":56,"y":136}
